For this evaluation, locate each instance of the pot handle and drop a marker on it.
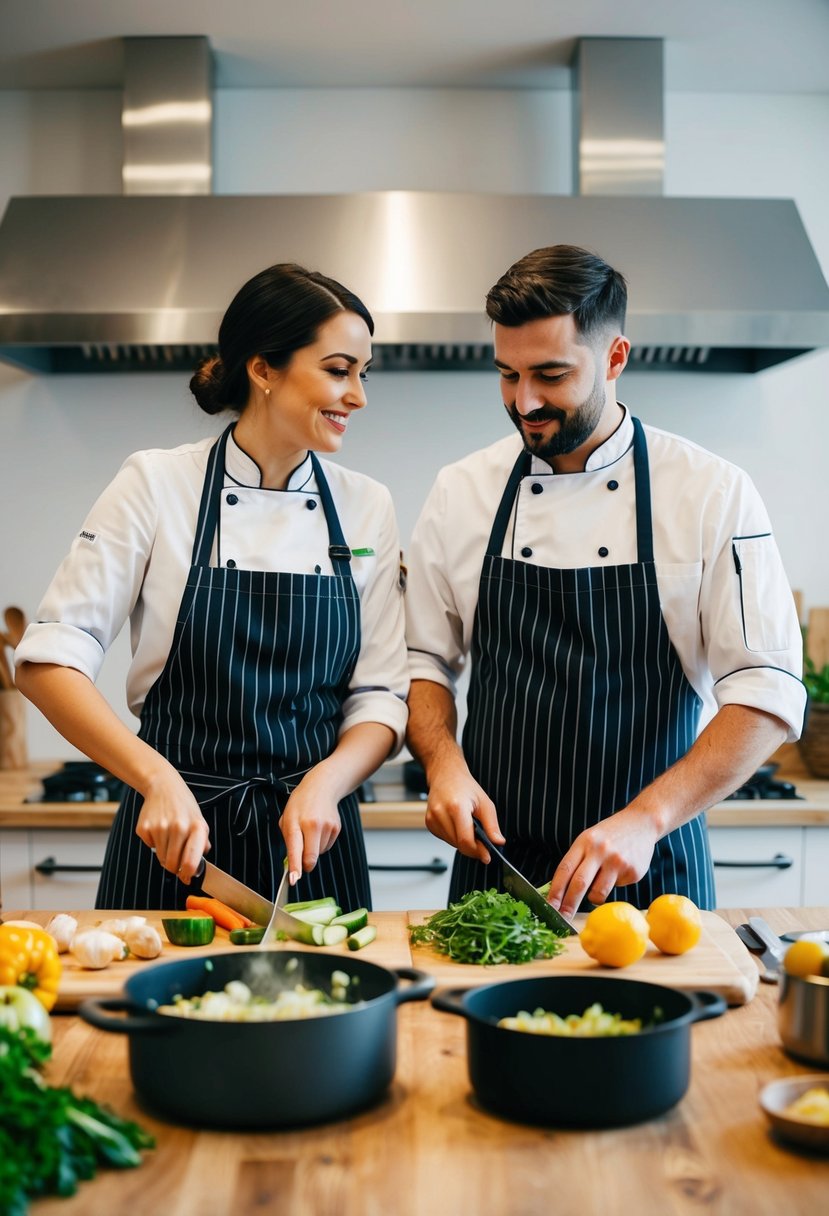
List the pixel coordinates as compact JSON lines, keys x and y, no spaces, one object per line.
{"x":706,"y":1005}
{"x":420,"y":987}
{"x":450,"y":1000}
{"x":137,"y":1019}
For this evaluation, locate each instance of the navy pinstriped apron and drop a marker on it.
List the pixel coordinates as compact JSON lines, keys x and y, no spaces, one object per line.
{"x":577,"y":701}
{"x":249,"y":700}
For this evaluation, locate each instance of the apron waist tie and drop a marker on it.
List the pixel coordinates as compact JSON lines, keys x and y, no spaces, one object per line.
{"x":207,"y":789}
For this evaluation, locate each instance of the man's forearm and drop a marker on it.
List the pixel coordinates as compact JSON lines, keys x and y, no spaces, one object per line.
{"x":736,"y":741}
{"x":433,"y":724}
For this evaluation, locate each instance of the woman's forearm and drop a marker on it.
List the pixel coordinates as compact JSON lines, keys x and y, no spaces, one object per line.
{"x":84,"y":717}
{"x":359,"y":752}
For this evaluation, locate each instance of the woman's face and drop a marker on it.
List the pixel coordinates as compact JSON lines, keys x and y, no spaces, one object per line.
{"x":312,"y":399}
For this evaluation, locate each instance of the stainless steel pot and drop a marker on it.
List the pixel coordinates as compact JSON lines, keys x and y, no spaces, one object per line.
{"x":803,"y":1017}
{"x":260,"y":1074}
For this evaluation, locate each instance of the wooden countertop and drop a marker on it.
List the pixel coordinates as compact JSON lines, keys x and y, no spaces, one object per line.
{"x":428,"y":1150}
{"x":16,"y":786}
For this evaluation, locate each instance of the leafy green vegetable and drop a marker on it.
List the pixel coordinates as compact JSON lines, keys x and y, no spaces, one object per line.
{"x":488,"y":928}
{"x":50,"y":1139}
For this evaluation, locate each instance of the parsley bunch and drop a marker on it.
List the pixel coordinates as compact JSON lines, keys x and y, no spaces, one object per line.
{"x":486,"y":927}
{"x":50,"y":1140}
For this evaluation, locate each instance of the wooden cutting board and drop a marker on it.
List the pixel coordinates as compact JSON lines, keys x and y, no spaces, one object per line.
{"x":389,"y":949}
{"x":718,"y":963}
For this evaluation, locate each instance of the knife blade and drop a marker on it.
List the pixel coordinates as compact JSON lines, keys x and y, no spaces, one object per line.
{"x":250,"y":903}
{"x":521,"y":888}
{"x":276,"y":923}
{"x":768,"y":937}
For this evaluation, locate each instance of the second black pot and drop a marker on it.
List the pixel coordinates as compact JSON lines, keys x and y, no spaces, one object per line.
{"x":260,"y":1074}
{"x":579,"y":1082}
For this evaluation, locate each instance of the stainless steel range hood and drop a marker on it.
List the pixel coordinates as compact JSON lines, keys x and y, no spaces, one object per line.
{"x":140,"y":281}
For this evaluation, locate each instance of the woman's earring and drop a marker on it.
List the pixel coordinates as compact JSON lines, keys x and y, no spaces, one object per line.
{"x":267,"y":392}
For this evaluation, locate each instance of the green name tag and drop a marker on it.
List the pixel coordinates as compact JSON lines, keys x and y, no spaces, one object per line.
{"x":362,"y":553}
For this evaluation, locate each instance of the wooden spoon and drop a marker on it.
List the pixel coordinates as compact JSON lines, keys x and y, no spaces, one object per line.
{"x":15,"y":624}
{"x":6,"y":677}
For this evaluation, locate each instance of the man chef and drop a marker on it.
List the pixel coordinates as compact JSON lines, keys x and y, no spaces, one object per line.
{"x":609,"y":582}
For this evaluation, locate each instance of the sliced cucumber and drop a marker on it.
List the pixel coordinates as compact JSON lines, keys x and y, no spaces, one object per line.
{"x":189,"y":930}
{"x":363,"y":937}
{"x":332,"y":935}
{"x":304,"y":905}
{"x":247,"y":937}
{"x":352,"y":920}
{"x":317,"y":916}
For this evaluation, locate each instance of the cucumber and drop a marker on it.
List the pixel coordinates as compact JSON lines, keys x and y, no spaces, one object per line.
{"x":326,"y":902}
{"x":189,"y":930}
{"x":363,"y":937}
{"x":352,"y":920}
{"x":317,"y":916}
{"x":247,"y":937}
{"x":332,"y":935}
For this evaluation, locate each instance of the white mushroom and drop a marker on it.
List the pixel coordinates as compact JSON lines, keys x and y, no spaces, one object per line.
{"x":62,"y":928}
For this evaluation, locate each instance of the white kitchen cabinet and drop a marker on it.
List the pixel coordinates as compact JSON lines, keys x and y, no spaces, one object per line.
{"x":760,"y":882}
{"x":70,"y":861}
{"x":422,"y":868}
{"x":816,"y":868}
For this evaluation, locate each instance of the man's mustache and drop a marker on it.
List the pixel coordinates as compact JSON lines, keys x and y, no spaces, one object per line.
{"x":545,"y":414}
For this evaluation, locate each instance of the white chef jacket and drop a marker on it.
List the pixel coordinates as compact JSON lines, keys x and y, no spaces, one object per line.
{"x":132,"y":556}
{"x":724,"y":594}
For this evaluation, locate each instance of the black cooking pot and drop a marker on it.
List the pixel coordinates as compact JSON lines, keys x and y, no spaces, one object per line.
{"x":260,"y":1074}
{"x":572,"y":1082}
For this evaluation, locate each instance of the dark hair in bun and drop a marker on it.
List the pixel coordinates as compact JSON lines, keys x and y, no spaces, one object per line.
{"x":276,"y":313}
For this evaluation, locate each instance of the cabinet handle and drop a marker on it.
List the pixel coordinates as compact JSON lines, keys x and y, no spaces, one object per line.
{"x":435,"y":866}
{"x":50,"y":866}
{"x":780,"y":861}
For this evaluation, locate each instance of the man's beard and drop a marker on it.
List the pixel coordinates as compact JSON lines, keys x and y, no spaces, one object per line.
{"x":575,"y":426}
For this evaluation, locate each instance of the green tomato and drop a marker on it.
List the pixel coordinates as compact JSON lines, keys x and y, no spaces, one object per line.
{"x":19,"y":1007}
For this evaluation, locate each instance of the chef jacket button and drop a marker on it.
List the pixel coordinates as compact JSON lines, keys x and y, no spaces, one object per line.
{"x":603,"y":552}
{"x":526,"y":552}
{"x":311,"y":504}
{"x":536,"y":488}
{"x":613,"y":485}
{"x":231,"y":500}
{"x":317,"y":569}
{"x":231,"y":565}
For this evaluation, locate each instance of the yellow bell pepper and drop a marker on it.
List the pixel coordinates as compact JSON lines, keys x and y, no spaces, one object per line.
{"x":29,"y":959}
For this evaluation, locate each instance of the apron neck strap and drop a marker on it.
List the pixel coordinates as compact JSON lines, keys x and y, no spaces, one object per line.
{"x":209,"y":509}
{"x":644,"y":519}
{"x":641,"y":470}
{"x":338,"y":550}
{"x":209,"y":505}
{"x":520,"y":469}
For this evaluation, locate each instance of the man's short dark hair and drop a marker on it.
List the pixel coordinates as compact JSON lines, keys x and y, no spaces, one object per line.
{"x":556,"y":281}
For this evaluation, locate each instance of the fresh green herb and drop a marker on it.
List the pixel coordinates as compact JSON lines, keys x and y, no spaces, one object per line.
{"x":50,"y":1139}
{"x":816,"y":680}
{"x":488,"y":928}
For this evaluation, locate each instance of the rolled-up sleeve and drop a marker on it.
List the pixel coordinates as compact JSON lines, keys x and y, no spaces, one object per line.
{"x":98,"y":583}
{"x":380,"y":683}
{"x":748,"y":618}
{"x":434,"y":625}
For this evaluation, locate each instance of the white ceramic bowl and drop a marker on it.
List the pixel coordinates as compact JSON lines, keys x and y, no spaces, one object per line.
{"x":778,"y":1095}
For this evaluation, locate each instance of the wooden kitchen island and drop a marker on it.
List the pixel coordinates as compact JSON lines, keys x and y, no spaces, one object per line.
{"x":428,"y":1150}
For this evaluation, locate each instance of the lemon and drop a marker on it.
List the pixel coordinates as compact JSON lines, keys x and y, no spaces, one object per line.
{"x":805,"y":958}
{"x":674,"y":923}
{"x":615,"y":934}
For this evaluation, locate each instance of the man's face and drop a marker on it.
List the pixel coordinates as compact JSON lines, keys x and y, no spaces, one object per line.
{"x":553,"y":385}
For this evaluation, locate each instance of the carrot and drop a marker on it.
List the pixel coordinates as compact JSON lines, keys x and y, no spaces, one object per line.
{"x":221,"y":913}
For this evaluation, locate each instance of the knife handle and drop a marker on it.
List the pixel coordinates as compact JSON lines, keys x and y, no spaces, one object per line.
{"x":481,"y":834}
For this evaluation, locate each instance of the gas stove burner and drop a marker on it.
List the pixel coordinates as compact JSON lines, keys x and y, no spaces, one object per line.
{"x":763,"y":786}
{"x":81,"y":781}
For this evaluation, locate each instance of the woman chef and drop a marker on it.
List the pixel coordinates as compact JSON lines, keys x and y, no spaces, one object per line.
{"x":262,"y":587}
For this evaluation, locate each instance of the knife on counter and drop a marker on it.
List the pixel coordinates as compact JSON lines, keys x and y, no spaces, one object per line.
{"x":251,"y":904}
{"x":521,"y":888}
{"x":770,"y":960}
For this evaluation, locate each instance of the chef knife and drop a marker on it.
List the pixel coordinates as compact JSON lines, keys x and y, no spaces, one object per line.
{"x":771,"y":966}
{"x":768,"y":937}
{"x":521,"y":888}
{"x":250,"y":903}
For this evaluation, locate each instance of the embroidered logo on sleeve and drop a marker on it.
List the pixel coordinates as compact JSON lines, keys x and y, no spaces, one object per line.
{"x":90,"y":537}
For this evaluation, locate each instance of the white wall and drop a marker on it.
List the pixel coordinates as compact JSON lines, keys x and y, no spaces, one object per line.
{"x":64,"y":437}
